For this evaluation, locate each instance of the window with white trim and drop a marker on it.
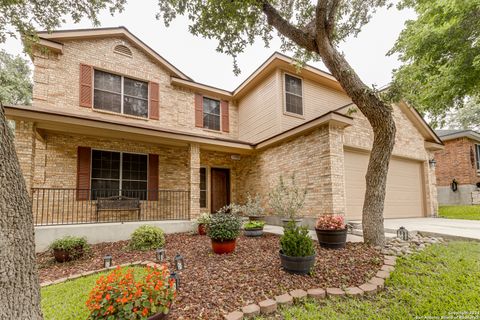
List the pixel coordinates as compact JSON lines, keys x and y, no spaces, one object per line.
{"x":203,"y":187}
{"x":477,"y":148}
{"x":120,"y":94}
{"x":118,"y":173}
{"x":293,"y":95}
{"x":211,"y":114}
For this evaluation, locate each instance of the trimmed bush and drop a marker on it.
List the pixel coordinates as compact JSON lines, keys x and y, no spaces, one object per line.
{"x":224,"y":226}
{"x":147,"y":237}
{"x":296,"y":241}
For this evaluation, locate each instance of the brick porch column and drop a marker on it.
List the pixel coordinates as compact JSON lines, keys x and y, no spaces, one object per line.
{"x":430,"y":183}
{"x":194,"y":163}
{"x":332,"y":170}
{"x":25,"y":140}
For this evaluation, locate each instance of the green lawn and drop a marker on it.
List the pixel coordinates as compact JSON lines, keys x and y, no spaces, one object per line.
{"x":460,"y":212}
{"x":66,"y":300}
{"x":443,"y":280}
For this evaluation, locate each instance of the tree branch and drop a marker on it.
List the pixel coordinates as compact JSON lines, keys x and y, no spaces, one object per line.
{"x":303,"y":39}
{"x":332,"y":13}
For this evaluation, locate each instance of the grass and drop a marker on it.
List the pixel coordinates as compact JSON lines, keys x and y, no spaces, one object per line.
{"x":441,"y":281}
{"x":66,"y":300}
{"x":460,"y":212}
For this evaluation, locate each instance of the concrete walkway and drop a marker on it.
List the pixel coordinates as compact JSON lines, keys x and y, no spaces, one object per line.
{"x":279,"y":230}
{"x":455,"y":228}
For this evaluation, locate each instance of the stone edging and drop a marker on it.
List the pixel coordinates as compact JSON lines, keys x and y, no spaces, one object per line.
{"x":87,"y":273}
{"x":270,"y":306}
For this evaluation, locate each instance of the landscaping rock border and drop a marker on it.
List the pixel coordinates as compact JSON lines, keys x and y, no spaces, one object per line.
{"x":88,"y":273}
{"x":270,"y":306}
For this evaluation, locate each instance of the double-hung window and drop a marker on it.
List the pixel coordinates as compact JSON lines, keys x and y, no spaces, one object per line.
{"x":120,"y":94}
{"x":477,"y":148}
{"x":211,"y":114}
{"x":118,"y":173}
{"x":293,"y":95}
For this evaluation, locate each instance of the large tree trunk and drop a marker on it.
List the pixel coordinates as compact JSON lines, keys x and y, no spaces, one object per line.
{"x":19,"y":288}
{"x":380,"y":116}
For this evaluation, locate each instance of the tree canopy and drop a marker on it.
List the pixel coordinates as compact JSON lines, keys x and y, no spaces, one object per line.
{"x":24,"y":17}
{"x":440,"y":51}
{"x":15,"y":81}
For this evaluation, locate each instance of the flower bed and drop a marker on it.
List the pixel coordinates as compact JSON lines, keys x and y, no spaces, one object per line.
{"x":212,"y":285}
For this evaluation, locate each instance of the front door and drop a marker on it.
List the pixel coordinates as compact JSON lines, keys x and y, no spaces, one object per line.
{"x":220,"y":190}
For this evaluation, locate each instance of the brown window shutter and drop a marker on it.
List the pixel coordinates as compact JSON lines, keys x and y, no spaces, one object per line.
{"x":84,"y":155}
{"x":225,"y":116}
{"x":198,"y":110}
{"x":86,"y":81}
{"x":153,"y":104}
{"x":153,"y":177}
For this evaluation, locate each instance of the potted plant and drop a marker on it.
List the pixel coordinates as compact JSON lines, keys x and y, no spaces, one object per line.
{"x":331,"y":231}
{"x":286,"y":200}
{"x":297,"y":253}
{"x":253,"y":228}
{"x":119,"y":296}
{"x":202,"y":222}
{"x":253,"y":208}
{"x":69,"y":248}
{"x":224,"y":228}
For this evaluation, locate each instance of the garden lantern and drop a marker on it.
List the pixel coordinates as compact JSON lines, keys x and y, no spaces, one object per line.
{"x":402,"y":233}
{"x":178,"y":261}
{"x":176,"y":278}
{"x":107,"y":261}
{"x":432,"y":163}
{"x":161,"y":255}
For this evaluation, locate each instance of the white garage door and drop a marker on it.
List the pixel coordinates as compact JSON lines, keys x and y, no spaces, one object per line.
{"x":404,"y":197}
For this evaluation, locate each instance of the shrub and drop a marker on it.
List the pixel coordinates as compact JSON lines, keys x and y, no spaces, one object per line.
{"x":147,"y":238}
{"x":74,"y":246}
{"x":296,"y":241}
{"x":253,"y":206}
{"x":224,"y":226}
{"x":287,"y":200}
{"x":118,"y":296}
{"x":204,"y":218}
{"x":254,"y":225}
{"x":330,"y":222}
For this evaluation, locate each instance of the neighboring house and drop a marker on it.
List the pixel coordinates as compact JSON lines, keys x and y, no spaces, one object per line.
{"x":458,"y":167}
{"x":109,"y":113}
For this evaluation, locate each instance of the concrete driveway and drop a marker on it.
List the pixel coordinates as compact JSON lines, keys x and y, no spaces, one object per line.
{"x":451,"y":227}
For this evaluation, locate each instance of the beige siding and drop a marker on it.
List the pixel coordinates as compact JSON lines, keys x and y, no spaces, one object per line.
{"x":404,"y":194}
{"x":317,"y":100}
{"x":259,"y":111}
{"x":56,"y":83}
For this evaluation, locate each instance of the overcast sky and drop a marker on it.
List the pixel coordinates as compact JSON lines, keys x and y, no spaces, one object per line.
{"x":197,"y":57}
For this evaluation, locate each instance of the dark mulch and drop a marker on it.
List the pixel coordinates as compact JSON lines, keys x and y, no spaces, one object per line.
{"x":212,"y":285}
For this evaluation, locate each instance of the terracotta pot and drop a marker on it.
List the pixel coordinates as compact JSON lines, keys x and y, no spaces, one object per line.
{"x":332,"y":239}
{"x":202,"y":229}
{"x":221,"y":247}
{"x":66,"y":255}
{"x":299,"y":265}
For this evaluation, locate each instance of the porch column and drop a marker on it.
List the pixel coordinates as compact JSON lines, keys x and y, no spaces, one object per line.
{"x":430,"y":185}
{"x":332,"y":170}
{"x":194,"y":163}
{"x":25,"y":139}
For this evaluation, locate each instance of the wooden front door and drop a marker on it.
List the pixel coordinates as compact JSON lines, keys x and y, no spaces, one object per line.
{"x":220,"y":189}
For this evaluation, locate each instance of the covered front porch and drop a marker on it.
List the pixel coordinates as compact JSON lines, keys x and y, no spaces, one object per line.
{"x":84,"y":172}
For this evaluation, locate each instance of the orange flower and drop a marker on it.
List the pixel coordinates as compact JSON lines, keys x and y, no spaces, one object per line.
{"x":144,"y":312}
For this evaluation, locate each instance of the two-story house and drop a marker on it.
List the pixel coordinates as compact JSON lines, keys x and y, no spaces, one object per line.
{"x":110,"y":117}
{"x":458,"y":167}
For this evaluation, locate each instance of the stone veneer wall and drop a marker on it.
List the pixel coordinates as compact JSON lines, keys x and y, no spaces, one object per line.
{"x":56,"y":84}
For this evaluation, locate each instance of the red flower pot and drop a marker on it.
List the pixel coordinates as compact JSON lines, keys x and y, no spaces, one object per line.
{"x":202,"y":229}
{"x":221,"y":247}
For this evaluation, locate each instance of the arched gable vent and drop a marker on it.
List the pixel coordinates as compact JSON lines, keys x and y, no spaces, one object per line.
{"x":122,"y":49}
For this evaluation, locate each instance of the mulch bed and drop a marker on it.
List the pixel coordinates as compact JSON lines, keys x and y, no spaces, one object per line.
{"x":212,"y":285}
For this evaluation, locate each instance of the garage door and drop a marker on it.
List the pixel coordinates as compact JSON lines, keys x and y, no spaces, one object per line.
{"x":404,"y":197}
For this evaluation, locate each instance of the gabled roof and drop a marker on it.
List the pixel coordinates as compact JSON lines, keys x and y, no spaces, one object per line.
{"x":58,"y":36}
{"x":451,"y":134}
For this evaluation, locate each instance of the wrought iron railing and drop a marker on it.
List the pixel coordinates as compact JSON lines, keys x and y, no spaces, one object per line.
{"x":60,"y":206}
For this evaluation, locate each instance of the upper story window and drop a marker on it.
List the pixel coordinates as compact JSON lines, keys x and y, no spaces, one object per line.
{"x":120,"y":94}
{"x":477,"y":148}
{"x":211,"y":114}
{"x":293,"y":95}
